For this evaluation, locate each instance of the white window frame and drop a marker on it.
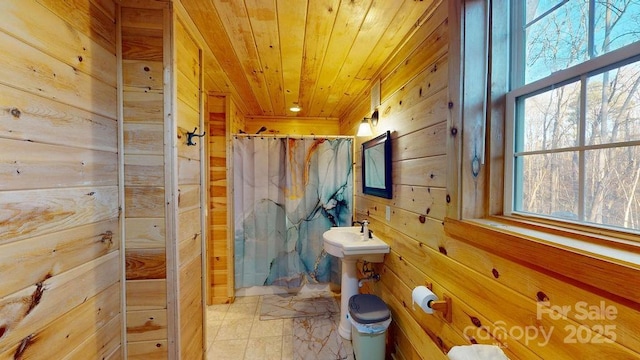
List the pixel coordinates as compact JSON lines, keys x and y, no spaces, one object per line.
{"x":579,"y":72}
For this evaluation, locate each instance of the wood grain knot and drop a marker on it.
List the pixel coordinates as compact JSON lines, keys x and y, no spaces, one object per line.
{"x":542,"y":296}
{"x":107,"y":238}
{"x":475,"y":321}
{"x":24,"y":344}
{"x":442,"y":250}
{"x":428,"y":211}
{"x":80,"y":59}
{"x":15,"y":112}
{"x":422,"y":219}
{"x":36,"y":297}
{"x":148,"y":326}
{"x":146,"y":68}
{"x":495,"y":273}
{"x":473,"y":340}
{"x":448,"y":198}
{"x":450,"y":104}
{"x":454,"y":131}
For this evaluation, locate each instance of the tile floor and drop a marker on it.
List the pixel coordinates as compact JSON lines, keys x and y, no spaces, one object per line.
{"x":235,"y":331}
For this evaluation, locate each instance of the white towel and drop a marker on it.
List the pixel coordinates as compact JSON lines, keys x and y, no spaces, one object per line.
{"x":476,"y":352}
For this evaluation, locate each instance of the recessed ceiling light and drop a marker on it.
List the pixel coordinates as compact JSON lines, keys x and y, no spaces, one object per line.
{"x":295,"y":108}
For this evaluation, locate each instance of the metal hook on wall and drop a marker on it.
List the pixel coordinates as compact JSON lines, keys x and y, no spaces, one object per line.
{"x":190,"y":136}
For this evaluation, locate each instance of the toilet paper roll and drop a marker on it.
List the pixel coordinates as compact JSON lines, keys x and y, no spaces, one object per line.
{"x":421,"y":295}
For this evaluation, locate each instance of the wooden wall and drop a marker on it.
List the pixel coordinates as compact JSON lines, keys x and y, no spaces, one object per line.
{"x":61,"y":236}
{"x":215,"y":78}
{"x":225,"y":118}
{"x":292,"y":125}
{"x":497,"y":294}
{"x":163,"y":182}
{"x":414,"y":95}
{"x":220,"y":271}
{"x":190,"y":200}
{"x":60,"y":289}
{"x":144,"y":180}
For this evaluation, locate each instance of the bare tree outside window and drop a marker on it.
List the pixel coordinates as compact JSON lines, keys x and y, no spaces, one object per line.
{"x":577,"y":142}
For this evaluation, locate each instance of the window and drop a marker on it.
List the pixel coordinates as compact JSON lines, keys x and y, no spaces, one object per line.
{"x":573,"y":112}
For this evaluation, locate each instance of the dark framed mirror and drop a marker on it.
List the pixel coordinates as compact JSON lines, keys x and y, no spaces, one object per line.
{"x":376,"y":166}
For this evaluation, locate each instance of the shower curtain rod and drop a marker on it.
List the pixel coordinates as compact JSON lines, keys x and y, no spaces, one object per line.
{"x":278,"y":136}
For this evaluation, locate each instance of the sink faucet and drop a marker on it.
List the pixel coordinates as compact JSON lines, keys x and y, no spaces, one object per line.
{"x":365,"y":230}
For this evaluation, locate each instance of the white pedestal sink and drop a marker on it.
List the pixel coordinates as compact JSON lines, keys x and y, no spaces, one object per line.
{"x":348,"y":244}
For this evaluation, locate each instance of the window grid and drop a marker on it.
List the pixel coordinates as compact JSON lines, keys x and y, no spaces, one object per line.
{"x":514,"y":172}
{"x":543,"y":15}
{"x":581,"y":142}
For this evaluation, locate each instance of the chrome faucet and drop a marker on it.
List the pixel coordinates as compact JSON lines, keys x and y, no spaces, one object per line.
{"x":366,"y":233}
{"x":364,"y":229}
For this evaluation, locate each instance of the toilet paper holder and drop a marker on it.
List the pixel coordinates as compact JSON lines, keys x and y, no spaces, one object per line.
{"x":443,"y":306}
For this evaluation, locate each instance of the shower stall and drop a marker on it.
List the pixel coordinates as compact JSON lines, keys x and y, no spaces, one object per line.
{"x":287,"y":191}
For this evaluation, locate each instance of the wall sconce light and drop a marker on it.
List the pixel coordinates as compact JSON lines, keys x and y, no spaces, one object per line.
{"x":374,"y":118}
{"x":365,"y":128}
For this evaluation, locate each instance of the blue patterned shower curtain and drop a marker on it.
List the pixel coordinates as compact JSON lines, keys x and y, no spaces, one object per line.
{"x":287,"y":192}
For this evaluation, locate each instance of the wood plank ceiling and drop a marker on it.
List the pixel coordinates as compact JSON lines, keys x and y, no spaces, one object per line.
{"x":320,"y":54}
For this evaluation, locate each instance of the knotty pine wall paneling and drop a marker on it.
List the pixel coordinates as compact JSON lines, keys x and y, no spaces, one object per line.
{"x":218,"y":242}
{"x":224,"y":119}
{"x":145,"y":220}
{"x":60,"y":264}
{"x":414,"y":94}
{"x":216,"y":80}
{"x":492,"y":294}
{"x":292,"y":125}
{"x":189,"y":78}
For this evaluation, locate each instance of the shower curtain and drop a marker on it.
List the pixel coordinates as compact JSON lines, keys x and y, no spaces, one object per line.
{"x":287,"y":192}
